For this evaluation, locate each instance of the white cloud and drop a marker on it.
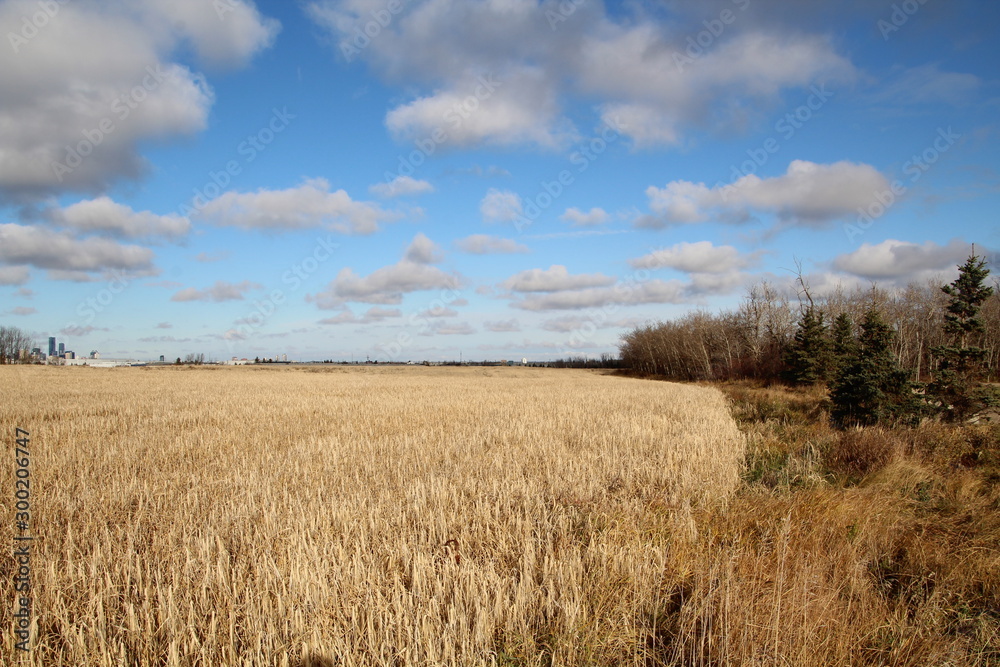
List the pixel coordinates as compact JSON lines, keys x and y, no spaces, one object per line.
{"x":22,"y":310}
{"x":59,"y":251}
{"x":438,"y":311}
{"x":308,"y":205}
{"x":224,"y":33}
{"x":624,"y":294}
{"x":570,"y":323}
{"x":501,"y":206}
{"x":105,"y":216}
{"x":422,"y":251}
{"x":96,"y":81}
{"x":699,"y":257}
{"x":503,"y":326}
{"x":625,"y":62}
{"x":516,"y":107}
{"x":483,"y":244}
{"x":903,"y":260}
{"x":807,"y":194}
{"x":376,"y":314}
{"x":401,"y":186}
{"x":593,"y":217}
{"x":554,"y":279}
{"x":386,"y":286}
{"x":344,"y":317}
{"x":14,"y":275}
{"x":220,"y":291}
{"x":449,"y":329}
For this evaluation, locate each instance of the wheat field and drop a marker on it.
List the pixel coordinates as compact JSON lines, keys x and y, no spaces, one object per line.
{"x":356,"y":516}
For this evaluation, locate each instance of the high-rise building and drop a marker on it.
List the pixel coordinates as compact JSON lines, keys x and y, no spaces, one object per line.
{"x":52,"y":346}
{"x":62,"y":349}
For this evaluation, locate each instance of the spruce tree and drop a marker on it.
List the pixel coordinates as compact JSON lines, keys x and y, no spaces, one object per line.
{"x":843,"y":344}
{"x":956,"y":385}
{"x":808,"y":356}
{"x":871,"y":387}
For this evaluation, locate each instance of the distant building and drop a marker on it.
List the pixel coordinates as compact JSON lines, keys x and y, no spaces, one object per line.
{"x":66,"y":354}
{"x":52,"y":346}
{"x":161,"y":357}
{"x":62,"y":349}
{"x":94,"y":354}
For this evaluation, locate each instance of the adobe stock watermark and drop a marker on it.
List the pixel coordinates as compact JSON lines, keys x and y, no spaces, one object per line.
{"x":918,"y":165}
{"x":293,"y":278}
{"x":35,"y":23}
{"x":563,"y":10}
{"x":365,"y":32}
{"x":121,"y":108}
{"x":785,"y":128}
{"x":89,"y":308}
{"x":404,"y":339}
{"x":454,"y":118}
{"x":585,"y":155}
{"x":248,"y":150}
{"x":699,"y":43}
{"x":600,"y":316}
{"x":901,"y":13}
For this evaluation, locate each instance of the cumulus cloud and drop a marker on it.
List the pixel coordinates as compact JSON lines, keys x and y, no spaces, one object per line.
{"x":629,"y":61}
{"x":555,"y":278}
{"x":422,"y":251}
{"x":516,"y":107}
{"x":224,"y":34}
{"x":808,"y":194}
{"x":483,"y":244}
{"x":79,"y":98}
{"x":570,"y":323}
{"x":438,"y":311}
{"x":14,"y":275}
{"x":577,"y":218}
{"x":902,"y":261}
{"x":401,"y":186}
{"x":449,"y":329}
{"x":623,"y":294}
{"x":503,"y":326}
{"x":386,"y":286}
{"x":699,"y":257}
{"x":343,"y":317}
{"x":107,"y":217}
{"x":501,"y":206}
{"x":220,"y":291}
{"x":305,"y":206}
{"x":60,"y":251}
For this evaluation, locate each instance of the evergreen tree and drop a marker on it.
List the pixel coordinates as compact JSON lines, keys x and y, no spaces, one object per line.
{"x":956,"y":384}
{"x":843,"y":344}
{"x":871,"y":387}
{"x":808,"y":357}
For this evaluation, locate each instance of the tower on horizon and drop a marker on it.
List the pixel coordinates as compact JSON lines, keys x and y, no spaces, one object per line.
{"x":52,"y":346}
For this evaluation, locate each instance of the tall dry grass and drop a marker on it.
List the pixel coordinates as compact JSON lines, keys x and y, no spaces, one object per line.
{"x":391,"y":516}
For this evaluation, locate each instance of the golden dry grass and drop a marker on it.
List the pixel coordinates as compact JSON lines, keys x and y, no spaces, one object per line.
{"x":389,"y":516}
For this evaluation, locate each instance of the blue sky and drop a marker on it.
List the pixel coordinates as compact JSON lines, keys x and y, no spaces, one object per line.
{"x":500,"y":179}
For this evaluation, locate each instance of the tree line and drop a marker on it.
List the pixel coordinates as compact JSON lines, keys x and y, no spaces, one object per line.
{"x":871,"y":346}
{"x":15,"y":345}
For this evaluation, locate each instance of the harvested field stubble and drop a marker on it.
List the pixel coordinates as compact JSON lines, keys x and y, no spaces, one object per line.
{"x":364,"y":516}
